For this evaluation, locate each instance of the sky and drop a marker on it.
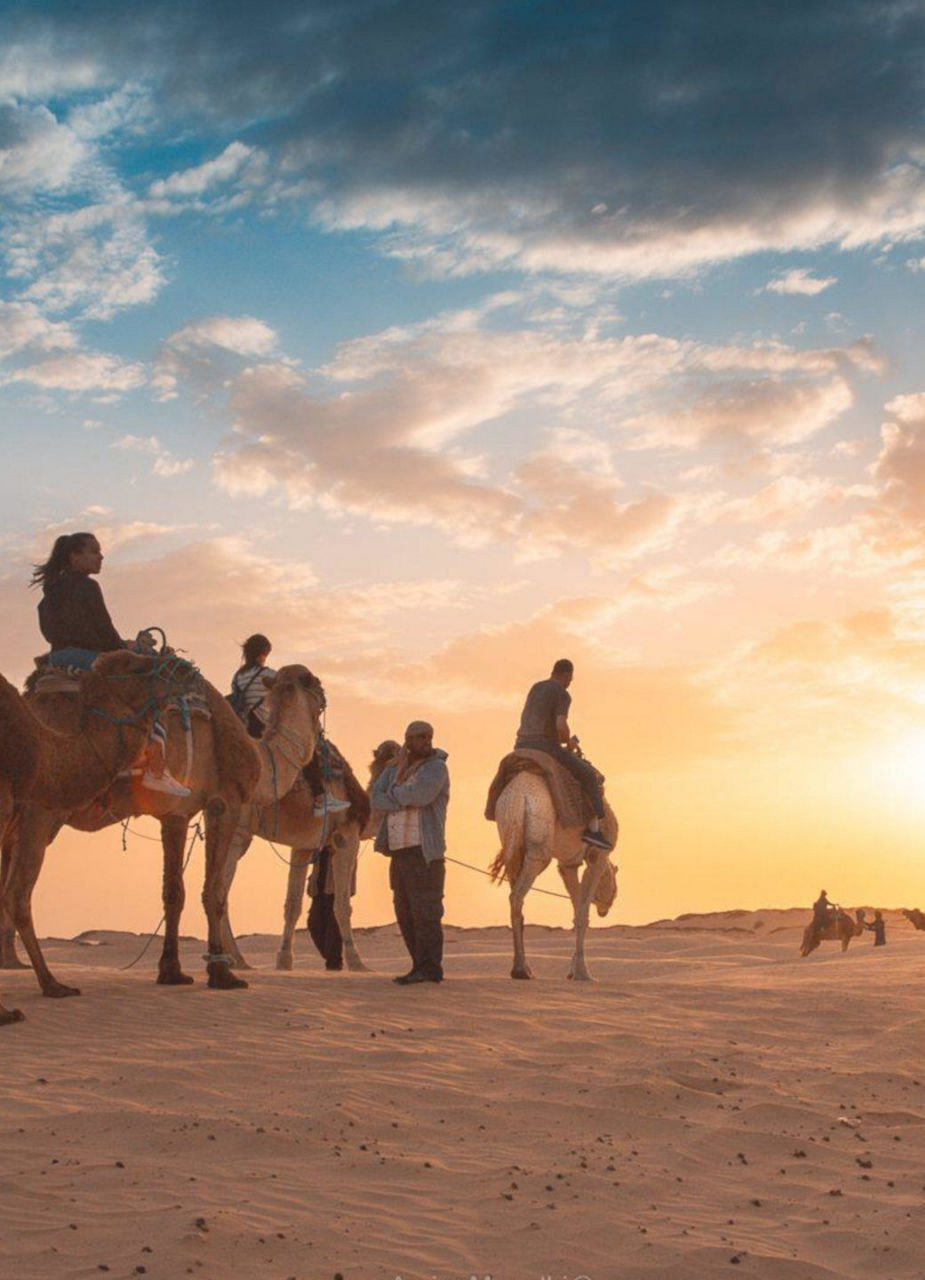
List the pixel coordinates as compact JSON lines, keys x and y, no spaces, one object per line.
{"x":440,"y":342}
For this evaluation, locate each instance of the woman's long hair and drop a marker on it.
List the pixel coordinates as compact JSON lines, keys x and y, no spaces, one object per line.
{"x":253,"y":648}
{"x":43,"y":575}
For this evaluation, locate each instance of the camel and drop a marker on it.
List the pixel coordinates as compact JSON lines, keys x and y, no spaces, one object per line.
{"x":915,"y":917}
{"x":113,"y":714}
{"x":294,"y":825}
{"x":839,"y":929}
{"x":19,"y":761}
{"x":530,"y":838}
{"x":223,"y":768}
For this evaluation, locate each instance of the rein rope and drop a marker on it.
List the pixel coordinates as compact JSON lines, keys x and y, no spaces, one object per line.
{"x":197,"y":835}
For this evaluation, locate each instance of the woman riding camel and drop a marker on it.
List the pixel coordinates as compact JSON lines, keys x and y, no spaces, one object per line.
{"x":74,"y":620}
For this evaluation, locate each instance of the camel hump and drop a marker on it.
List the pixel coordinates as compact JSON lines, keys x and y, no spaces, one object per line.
{"x":571,"y":806}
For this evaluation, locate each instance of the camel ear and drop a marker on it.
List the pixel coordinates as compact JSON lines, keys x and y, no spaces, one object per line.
{"x":269,"y":681}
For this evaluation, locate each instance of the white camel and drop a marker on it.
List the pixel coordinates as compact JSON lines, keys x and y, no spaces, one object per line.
{"x":530,"y":838}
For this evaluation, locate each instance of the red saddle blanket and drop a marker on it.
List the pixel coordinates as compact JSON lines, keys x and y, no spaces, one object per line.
{"x":573,"y":808}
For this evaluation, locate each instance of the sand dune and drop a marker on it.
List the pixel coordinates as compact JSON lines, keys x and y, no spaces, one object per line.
{"x":712,"y":1102}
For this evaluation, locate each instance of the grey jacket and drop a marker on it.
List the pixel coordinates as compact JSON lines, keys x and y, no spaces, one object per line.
{"x":428,"y":790}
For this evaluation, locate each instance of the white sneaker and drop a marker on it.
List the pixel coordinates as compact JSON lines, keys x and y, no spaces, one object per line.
{"x":165,"y":783}
{"x":330,"y":804}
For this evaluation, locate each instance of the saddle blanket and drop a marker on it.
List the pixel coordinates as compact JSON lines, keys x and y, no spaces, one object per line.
{"x":573,"y":808}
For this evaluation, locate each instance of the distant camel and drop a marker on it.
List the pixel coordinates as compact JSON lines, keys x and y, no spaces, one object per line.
{"x":530,"y":838}
{"x":223,"y":769}
{"x":294,"y":824}
{"x":915,"y":917}
{"x":840,"y":929}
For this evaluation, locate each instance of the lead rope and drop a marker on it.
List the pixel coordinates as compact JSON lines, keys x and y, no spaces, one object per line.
{"x":197,"y":835}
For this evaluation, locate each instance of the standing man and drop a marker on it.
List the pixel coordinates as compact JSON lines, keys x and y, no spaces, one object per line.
{"x":411,"y":794}
{"x":544,"y":727}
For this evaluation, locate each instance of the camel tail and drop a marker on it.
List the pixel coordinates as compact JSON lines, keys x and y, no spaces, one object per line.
{"x":510,"y":857}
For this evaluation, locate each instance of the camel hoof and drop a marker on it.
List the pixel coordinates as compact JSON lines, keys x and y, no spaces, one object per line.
{"x":13,"y":962}
{"x":580,"y":977}
{"x":284,"y":960}
{"x":357,"y":966}
{"x":11,"y":1015}
{"x":174,"y":978}
{"x":58,"y":991}
{"x":222,"y":979}
{"x":241,"y":964}
{"x":525,"y":972}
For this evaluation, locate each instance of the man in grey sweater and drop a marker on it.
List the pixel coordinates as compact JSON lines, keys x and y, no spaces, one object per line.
{"x":411,"y":795}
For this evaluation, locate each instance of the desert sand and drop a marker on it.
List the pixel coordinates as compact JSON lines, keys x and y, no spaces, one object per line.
{"x":712,"y":1105}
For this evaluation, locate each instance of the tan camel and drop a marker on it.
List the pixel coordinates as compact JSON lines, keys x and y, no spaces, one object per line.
{"x":295,"y":825}
{"x":840,"y":929}
{"x":915,"y":917}
{"x":530,"y":838}
{"x":19,"y":760}
{"x":224,"y":770}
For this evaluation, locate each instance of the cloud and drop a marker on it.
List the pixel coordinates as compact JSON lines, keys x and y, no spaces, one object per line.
{"x":800,"y":281}
{"x":23,"y":329}
{"x":165,"y":464}
{"x":82,"y":372}
{"x":96,"y":260}
{"x":770,"y":412}
{"x":487,"y":135}
{"x":198,"y":180}
{"x":37,"y":153}
{"x":900,"y":466}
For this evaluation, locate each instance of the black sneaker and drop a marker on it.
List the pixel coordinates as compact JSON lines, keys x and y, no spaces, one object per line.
{"x":411,"y":979}
{"x":597,"y":839}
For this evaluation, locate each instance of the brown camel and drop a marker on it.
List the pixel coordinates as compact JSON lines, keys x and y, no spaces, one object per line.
{"x":19,"y":761}
{"x":839,"y":929}
{"x":223,"y":768}
{"x":113,"y":712}
{"x":295,"y":825}
{"x":915,"y":917}
{"x":530,"y":838}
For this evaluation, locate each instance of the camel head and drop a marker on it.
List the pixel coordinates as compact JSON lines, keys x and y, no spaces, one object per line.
{"x":606,"y":893}
{"x":383,"y":755}
{"x":130,"y":686}
{"x":292,"y":686}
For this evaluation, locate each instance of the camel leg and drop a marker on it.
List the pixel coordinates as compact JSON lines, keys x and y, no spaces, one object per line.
{"x":174,"y":830}
{"x":221,"y":822}
{"x":532,"y":866}
{"x":37,"y":829}
{"x":343,"y":863}
{"x":240,"y":843}
{"x":292,"y":907}
{"x":8,"y":957}
{"x":582,"y":896}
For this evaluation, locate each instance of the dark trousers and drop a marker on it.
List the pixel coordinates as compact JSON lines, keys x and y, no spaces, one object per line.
{"x":578,"y":768}
{"x":322,"y":925}
{"x":417,"y":892}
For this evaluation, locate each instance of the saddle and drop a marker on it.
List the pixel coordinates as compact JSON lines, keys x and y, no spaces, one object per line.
{"x":572,"y":806}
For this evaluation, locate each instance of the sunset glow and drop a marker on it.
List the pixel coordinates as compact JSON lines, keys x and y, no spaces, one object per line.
{"x":440,"y":347}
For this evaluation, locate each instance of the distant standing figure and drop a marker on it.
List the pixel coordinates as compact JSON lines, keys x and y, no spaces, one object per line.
{"x":878,"y":929}
{"x":247,"y":687}
{"x":412,"y":794}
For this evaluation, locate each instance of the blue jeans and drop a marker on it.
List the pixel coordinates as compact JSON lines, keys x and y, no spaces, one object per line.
{"x":578,"y":768}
